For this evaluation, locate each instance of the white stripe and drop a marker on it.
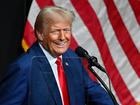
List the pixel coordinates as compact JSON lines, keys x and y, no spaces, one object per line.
{"x":129,"y":20}
{"x":34,"y":10}
{"x":80,"y":31}
{"x":117,"y":53}
{"x":100,"y":11}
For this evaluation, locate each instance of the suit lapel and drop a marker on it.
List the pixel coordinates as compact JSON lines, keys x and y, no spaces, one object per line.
{"x":70,"y":82}
{"x":50,"y":81}
{"x":47,"y":74}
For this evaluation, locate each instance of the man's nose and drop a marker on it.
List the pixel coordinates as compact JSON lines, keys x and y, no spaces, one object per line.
{"x":62,"y":35}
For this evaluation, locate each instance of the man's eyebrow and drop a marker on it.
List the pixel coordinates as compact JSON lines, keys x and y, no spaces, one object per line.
{"x":61,"y":28}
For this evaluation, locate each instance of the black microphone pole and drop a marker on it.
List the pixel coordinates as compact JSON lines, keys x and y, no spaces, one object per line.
{"x":94,"y":62}
{"x":105,"y":86}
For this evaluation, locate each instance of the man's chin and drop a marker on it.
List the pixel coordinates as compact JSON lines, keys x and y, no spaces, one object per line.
{"x":60,"y":52}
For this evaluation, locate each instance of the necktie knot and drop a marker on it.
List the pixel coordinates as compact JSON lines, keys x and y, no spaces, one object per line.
{"x":59,"y":61}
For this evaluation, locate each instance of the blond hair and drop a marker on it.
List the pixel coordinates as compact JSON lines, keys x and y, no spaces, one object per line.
{"x":52,"y":14}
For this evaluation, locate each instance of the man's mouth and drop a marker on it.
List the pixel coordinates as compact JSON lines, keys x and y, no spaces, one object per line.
{"x":61,"y":44}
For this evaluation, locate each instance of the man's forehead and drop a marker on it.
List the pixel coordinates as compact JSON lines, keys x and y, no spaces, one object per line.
{"x":53,"y":19}
{"x":60,"y":25}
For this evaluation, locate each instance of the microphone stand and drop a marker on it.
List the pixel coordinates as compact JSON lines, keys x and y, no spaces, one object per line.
{"x":92,"y":62}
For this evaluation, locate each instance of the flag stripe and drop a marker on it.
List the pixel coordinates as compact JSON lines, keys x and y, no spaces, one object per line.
{"x":135,"y":4}
{"x":132,"y":26}
{"x":73,"y":44}
{"x":34,"y":10}
{"x":127,"y":77}
{"x":29,"y":31}
{"x":96,"y":31}
{"x":121,"y":32}
{"x":43,"y":3}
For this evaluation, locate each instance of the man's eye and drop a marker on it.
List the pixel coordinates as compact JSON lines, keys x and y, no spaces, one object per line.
{"x":59,"y":30}
{"x":55,"y":32}
{"x":67,"y":30}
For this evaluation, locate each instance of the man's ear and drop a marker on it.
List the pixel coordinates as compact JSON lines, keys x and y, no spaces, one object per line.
{"x":39,"y":36}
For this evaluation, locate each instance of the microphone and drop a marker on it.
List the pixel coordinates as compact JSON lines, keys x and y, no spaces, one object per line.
{"x":93,"y":62}
{"x":81,"y":52}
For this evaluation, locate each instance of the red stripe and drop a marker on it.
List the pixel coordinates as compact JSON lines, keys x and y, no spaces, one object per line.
{"x":135,"y":4}
{"x":73,"y":44}
{"x":29,"y":34}
{"x":97,"y":34}
{"x":123,"y":36}
{"x":44,"y":3}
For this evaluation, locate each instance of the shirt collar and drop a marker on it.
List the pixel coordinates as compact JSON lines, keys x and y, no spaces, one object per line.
{"x":50,"y":58}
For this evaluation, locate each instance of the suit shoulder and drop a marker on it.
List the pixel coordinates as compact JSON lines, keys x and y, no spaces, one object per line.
{"x":70,"y":52}
{"x":24,"y":60}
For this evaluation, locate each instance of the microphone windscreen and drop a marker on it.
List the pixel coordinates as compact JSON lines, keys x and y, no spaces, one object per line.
{"x":81,"y":52}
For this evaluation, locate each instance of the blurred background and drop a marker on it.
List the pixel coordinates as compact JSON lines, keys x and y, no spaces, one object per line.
{"x":107,"y":29}
{"x":13,"y":16}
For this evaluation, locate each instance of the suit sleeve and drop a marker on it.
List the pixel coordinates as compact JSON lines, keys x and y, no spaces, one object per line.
{"x":13,"y":87}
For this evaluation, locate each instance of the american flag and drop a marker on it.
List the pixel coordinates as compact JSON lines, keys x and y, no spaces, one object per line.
{"x":109,"y":30}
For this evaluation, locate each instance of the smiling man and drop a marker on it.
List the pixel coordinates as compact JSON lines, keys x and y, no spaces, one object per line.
{"x":54,"y":33}
{"x":50,"y":73}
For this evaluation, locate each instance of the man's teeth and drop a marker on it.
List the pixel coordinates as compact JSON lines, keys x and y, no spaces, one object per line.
{"x":61,"y":44}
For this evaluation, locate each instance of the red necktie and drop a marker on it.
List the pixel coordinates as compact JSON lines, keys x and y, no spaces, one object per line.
{"x":62,"y":81}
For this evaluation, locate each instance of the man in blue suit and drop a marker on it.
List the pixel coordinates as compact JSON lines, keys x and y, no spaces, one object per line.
{"x":33,"y":80}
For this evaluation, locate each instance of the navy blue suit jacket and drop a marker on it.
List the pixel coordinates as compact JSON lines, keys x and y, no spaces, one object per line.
{"x":30,"y":81}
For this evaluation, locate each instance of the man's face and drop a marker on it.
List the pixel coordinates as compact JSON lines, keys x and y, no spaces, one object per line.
{"x":56,"y":38}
